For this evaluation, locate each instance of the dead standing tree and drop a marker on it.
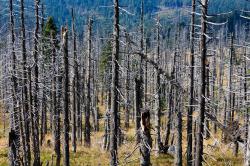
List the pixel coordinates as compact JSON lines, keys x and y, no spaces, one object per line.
{"x":14,"y":135}
{"x":87,"y":140}
{"x":146,"y":140}
{"x":199,"y":146}
{"x":25,"y":110}
{"x":36,"y":148}
{"x":64,"y":35}
{"x":114,"y":86}
{"x":191,"y":98}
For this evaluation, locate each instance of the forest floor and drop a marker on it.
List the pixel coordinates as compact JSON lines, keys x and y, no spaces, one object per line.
{"x":221,"y":155}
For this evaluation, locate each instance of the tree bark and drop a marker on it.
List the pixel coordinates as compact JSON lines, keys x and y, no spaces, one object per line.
{"x":199,"y":146}
{"x":146,"y":140}
{"x":191,"y":99}
{"x":66,"y":95}
{"x":114,"y":86}
{"x":27,"y":154}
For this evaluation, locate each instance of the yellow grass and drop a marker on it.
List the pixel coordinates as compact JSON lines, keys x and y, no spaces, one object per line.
{"x":95,"y":156}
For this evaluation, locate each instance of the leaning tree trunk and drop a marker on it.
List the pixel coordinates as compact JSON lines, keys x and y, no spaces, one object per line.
{"x":114,"y":86}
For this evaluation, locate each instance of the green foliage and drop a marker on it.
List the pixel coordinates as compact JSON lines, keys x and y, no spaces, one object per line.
{"x":50,"y":28}
{"x":106,"y":56}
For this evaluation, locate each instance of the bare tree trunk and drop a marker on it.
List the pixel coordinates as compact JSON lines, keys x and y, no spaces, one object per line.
{"x":199,"y":146}
{"x":36,"y":147}
{"x":114,"y":86}
{"x":27,"y":154}
{"x":55,"y":102}
{"x":191,"y":99}
{"x":87,"y":140}
{"x":127,"y":107}
{"x":66,"y":95}
{"x":14,"y":135}
{"x":158,"y":91}
{"x":179,"y":135}
{"x":74,"y":87}
{"x":139,"y":100}
{"x":146,"y":140}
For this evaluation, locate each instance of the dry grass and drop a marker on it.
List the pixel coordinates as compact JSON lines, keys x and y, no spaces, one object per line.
{"x":95,"y":156}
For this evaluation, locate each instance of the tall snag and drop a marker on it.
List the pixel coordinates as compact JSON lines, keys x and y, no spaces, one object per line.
{"x":199,"y":146}
{"x":87,"y":141}
{"x":64,"y":35}
{"x":114,"y":86}
{"x":191,"y":98}
{"x":26,"y":146}
{"x":36,"y":148}
{"x":74,"y":87}
{"x":14,"y":135}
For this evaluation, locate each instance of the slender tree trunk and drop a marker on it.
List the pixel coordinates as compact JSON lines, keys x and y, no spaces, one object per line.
{"x":55,"y":102}
{"x":199,"y":146}
{"x":127,"y":107}
{"x":74,"y":88}
{"x":114,"y":86}
{"x":36,"y":147}
{"x":179,"y":135}
{"x":191,"y":99}
{"x":27,"y":154}
{"x":14,"y":135}
{"x":66,"y":95}
{"x":158,"y":91}
{"x":87,"y":140}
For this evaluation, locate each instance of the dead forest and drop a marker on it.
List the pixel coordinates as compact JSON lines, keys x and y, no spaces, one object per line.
{"x":143,"y":94}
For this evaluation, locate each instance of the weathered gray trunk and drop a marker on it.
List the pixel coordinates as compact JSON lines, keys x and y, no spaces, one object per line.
{"x":74,"y":87}
{"x":191,"y":98}
{"x":36,"y":148}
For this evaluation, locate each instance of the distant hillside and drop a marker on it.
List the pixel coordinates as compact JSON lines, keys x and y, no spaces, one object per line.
{"x":102,"y":11}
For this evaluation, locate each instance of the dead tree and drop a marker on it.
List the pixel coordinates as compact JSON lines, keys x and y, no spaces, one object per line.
{"x":158,"y":91}
{"x":64,"y":35}
{"x":87,"y":140}
{"x":191,"y":98}
{"x":14,"y":135}
{"x":55,"y":102}
{"x":35,"y":119}
{"x":114,"y":86}
{"x":139,"y":99}
{"x":200,"y":133}
{"x":27,"y":154}
{"x":146,"y":140}
{"x":127,"y":107}
{"x":74,"y":87}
